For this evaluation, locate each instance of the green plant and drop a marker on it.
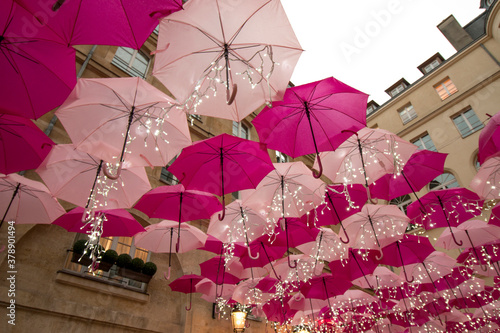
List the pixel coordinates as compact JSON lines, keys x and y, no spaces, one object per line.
{"x":80,"y":246}
{"x":123,"y":260}
{"x":149,"y":268}
{"x":110,"y":256}
{"x":136,"y":265}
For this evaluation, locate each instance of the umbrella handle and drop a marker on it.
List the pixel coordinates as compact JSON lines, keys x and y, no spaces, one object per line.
{"x":320,"y":171}
{"x":381,"y":255}
{"x":406,"y":276}
{"x":107,"y":172}
{"x":221,"y":217}
{"x":230,"y":96}
{"x":167,"y":275}
{"x":190,"y":302}
{"x":58,"y":5}
{"x":348,"y":239}
{"x":454,"y":239}
{"x":88,"y":215}
{"x":290,"y":264}
{"x":250,"y":254}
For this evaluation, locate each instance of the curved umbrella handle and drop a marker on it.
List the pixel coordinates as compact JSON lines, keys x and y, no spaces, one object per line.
{"x":190,"y":302}
{"x":167,"y":275}
{"x":107,"y":171}
{"x":454,"y":239}
{"x":221,"y":217}
{"x":345,"y":232}
{"x":320,"y":171}
{"x":58,"y":5}
{"x":251,"y":256}
{"x":290,"y":264}
{"x":381,"y":255}
{"x":231,"y":96}
{"x":406,"y":276}
{"x":88,"y":215}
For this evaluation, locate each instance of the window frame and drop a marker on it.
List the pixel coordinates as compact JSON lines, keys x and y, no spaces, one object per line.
{"x":422,"y":142}
{"x":281,"y":157}
{"x":239,"y":131}
{"x":466,"y":120}
{"x":442,"y":86}
{"x":127,"y":66}
{"x":398,"y":89}
{"x":406,"y":111}
{"x":445,"y":184}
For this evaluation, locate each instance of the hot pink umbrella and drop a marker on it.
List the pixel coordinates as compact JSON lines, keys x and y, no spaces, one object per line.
{"x":221,"y":165}
{"x":26,"y":201}
{"x":263,"y":252}
{"x":295,"y":233}
{"x":215,"y":270}
{"x":78,"y":177}
{"x":38,"y":71}
{"x":240,"y":55}
{"x":124,"y":120}
{"x":311,"y":118}
{"x":186,"y":284}
{"x":487,"y":181}
{"x":216,"y":246}
{"x":487,"y":254}
{"x":489,"y":139}
{"x":278,"y":310}
{"x":115,"y":222}
{"x":358,"y":264}
{"x":86,"y":22}
{"x":23,"y":146}
{"x":422,"y":167}
{"x":325,"y":286}
{"x":445,"y":208}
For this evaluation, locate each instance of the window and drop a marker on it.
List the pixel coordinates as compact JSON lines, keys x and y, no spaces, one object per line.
{"x":431,"y":66}
{"x":445,"y":88}
{"x":168,"y":177}
{"x":407,"y":113}
{"x":424,"y":142}
{"x":444,"y":181}
{"x":397,"y":90}
{"x":467,"y":122}
{"x":241,"y":130}
{"x":477,"y":165}
{"x":281,"y":158}
{"x":402,"y":202}
{"x":132,"y":62}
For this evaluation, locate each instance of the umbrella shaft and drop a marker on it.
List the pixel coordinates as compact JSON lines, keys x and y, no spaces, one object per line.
{"x":360,"y":148}
{"x":308,"y":114}
{"x":130,"y":118}
{"x":95,"y":183}
{"x":10,"y":203}
{"x":333,"y":206}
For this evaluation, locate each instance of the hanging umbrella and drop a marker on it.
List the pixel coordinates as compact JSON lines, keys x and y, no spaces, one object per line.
{"x":471,"y":234}
{"x":489,"y":139}
{"x":240,"y":55}
{"x":247,"y":293}
{"x":26,"y":201}
{"x":278,"y":310}
{"x":262,"y":252}
{"x":432,"y":268}
{"x":327,"y":246}
{"x":78,"y":177}
{"x":486,"y":254}
{"x":210,"y":292}
{"x":358,"y":264}
{"x":408,"y":250}
{"x":375,"y":226}
{"x":296,"y":233}
{"x":366,"y":156}
{"x":487,"y":181}
{"x":304,"y":269}
{"x":158,"y":238}
{"x":38,"y":71}
{"x":216,"y":246}
{"x":380,"y":278}
{"x":312,"y":118}
{"x":23,"y":146}
{"x":324,"y":287}
{"x":216,"y":270}
{"x":87,"y":22}
{"x":124,"y":120}
{"x":445,"y":208}
{"x":115,"y":222}
{"x":422,"y":167}
{"x":186,"y":284}
{"x":221,"y":165}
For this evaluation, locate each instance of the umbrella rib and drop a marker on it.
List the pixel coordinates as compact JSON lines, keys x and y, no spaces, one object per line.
{"x":129,"y":25}
{"x":231,"y":40}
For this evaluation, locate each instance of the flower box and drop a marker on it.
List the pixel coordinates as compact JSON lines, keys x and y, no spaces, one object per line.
{"x":130,"y":274}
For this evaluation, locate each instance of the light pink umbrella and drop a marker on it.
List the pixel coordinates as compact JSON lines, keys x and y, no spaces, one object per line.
{"x":124,"y":120}
{"x":381,"y":278}
{"x":26,"y":201}
{"x":240,"y":54}
{"x":209,"y":289}
{"x":486,"y":183}
{"x":77,"y":177}
{"x":247,"y":292}
{"x":327,"y":246}
{"x":375,"y":226}
{"x":471,"y":233}
{"x":435,"y":266}
{"x":305,"y":268}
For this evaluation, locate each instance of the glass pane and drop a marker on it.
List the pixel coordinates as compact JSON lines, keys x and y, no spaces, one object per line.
{"x":235,"y":128}
{"x":444,"y":181}
{"x":474,"y":121}
{"x":462,"y":125}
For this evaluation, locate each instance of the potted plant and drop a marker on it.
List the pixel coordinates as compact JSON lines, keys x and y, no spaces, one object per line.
{"x":108,"y":259}
{"x":78,"y":250}
{"x":123,"y":260}
{"x":133,"y":270}
{"x":149,"y":268}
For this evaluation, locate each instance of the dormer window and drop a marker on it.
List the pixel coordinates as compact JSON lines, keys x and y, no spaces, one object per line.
{"x":397,"y":88}
{"x":371,"y":107}
{"x":430,"y":64}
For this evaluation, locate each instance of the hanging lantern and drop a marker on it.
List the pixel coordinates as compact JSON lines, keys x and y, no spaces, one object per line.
{"x":238,"y":318}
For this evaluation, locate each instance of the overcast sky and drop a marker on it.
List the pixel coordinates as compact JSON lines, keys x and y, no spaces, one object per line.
{"x":371,"y":44}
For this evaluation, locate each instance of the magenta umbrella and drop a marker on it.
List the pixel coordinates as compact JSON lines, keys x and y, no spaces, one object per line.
{"x":23,"y":146}
{"x":186,"y":284}
{"x":263,"y":252}
{"x":279,"y":310}
{"x":445,"y":208}
{"x":115,"y":222}
{"x":358,"y":264}
{"x":296,"y":233}
{"x":487,"y":180}
{"x":422,"y":167}
{"x":221,"y":165}
{"x":85,"y":22}
{"x":408,"y":250}
{"x":312,"y":118}
{"x":487,"y":254}
{"x":216,"y":246}
{"x":38,"y":70}
{"x":489,"y":139}
{"x":216,"y":271}
{"x":324,"y":287}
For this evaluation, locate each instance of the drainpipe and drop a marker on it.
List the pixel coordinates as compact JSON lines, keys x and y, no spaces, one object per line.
{"x":52,"y":122}
{"x":490,"y":54}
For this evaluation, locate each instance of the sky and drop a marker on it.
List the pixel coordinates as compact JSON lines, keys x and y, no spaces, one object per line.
{"x":371,"y":44}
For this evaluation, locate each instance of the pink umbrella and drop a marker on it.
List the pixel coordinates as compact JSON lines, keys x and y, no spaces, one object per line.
{"x":186,"y":284}
{"x":422,"y":167}
{"x":325,"y":286}
{"x":38,"y":71}
{"x":23,"y":146}
{"x":215,"y":270}
{"x":487,"y":181}
{"x":489,"y":139}
{"x":445,"y":208}
{"x":380,"y":278}
{"x":358,"y":264}
{"x":78,"y":177}
{"x":221,"y":165}
{"x":247,"y":292}
{"x":159,"y":239}
{"x":312,"y":118}
{"x":304,"y":269}
{"x":471,"y":233}
{"x":86,"y":22}
{"x":327,"y":246}
{"x":233,"y":46}
{"x":432,"y":268}
{"x":375,"y":226}
{"x":216,"y":246}
{"x":366,"y":156}
{"x":115,"y":222}
{"x":263,"y":252}
{"x":210,"y":292}
{"x":124,"y":120}
{"x":26,"y":201}
{"x":296,"y":233}
{"x":487,"y":254}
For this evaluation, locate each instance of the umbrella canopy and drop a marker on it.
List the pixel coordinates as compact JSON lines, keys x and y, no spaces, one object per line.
{"x":262,"y":252}
{"x":115,"y":222}
{"x":216,"y":270}
{"x":23,"y":146}
{"x":487,"y":181}
{"x":248,"y":293}
{"x":221,"y":165}
{"x":87,"y":22}
{"x":489,"y":139}
{"x":312,"y":118}
{"x":432,"y":268}
{"x":186,"y":284}
{"x":77,"y":177}
{"x":327,"y":246}
{"x":422,"y":167}
{"x":26,"y":201}
{"x":305,"y":268}
{"x":38,"y":70}
{"x":471,"y":233}
{"x":240,"y":55}
{"x":324,"y":286}
{"x":124,"y":119}
{"x":381,"y":277}
{"x":358,"y":264}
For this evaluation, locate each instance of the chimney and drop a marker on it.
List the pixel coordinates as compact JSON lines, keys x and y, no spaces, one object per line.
{"x":454,"y":32}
